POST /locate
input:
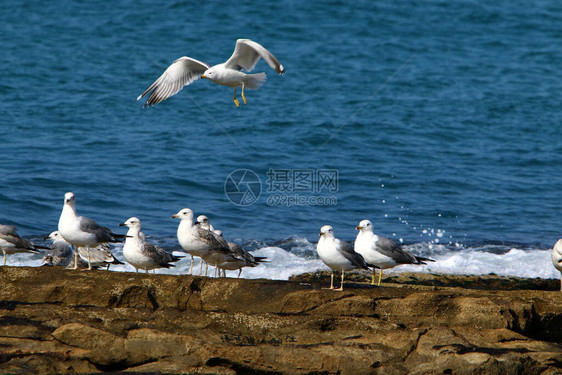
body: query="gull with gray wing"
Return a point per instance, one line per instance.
(239, 259)
(142, 254)
(185, 70)
(381, 252)
(11, 242)
(81, 231)
(338, 255)
(195, 240)
(62, 253)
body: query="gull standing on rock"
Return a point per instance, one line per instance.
(12, 243)
(82, 231)
(62, 254)
(185, 70)
(337, 254)
(557, 258)
(239, 259)
(194, 240)
(142, 254)
(100, 256)
(382, 252)
(203, 222)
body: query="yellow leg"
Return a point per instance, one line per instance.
(380, 277)
(341, 285)
(236, 100)
(373, 277)
(243, 97)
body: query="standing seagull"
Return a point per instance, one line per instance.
(382, 252)
(185, 70)
(142, 254)
(82, 231)
(203, 222)
(61, 253)
(238, 258)
(337, 254)
(100, 256)
(11, 242)
(557, 258)
(189, 236)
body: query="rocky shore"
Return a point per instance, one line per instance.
(60, 321)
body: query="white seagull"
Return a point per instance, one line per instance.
(195, 240)
(82, 231)
(100, 256)
(203, 222)
(557, 258)
(185, 70)
(11, 242)
(382, 252)
(142, 254)
(337, 254)
(61, 253)
(239, 258)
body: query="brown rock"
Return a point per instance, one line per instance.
(61, 321)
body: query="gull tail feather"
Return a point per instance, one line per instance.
(422, 260)
(254, 81)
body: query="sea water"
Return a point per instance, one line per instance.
(439, 121)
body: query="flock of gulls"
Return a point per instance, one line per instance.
(80, 242)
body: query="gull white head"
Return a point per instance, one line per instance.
(203, 222)
(210, 74)
(202, 219)
(184, 214)
(70, 199)
(327, 231)
(54, 236)
(365, 226)
(132, 222)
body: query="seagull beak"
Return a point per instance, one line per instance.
(197, 223)
(358, 227)
(46, 238)
(174, 216)
(203, 76)
(321, 233)
(122, 224)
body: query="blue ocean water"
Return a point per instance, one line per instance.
(439, 121)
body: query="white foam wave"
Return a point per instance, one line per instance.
(283, 264)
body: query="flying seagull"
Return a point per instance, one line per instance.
(338, 255)
(382, 252)
(185, 70)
